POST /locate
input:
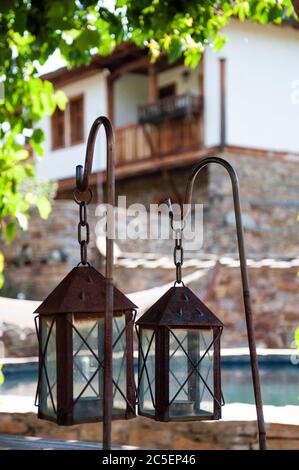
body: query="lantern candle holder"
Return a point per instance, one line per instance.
(179, 359)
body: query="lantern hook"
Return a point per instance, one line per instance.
(82, 187)
(83, 174)
(244, 276)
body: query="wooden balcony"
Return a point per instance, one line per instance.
(171, 107)
(151, 142)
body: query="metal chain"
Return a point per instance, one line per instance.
(83, 225)
(178, 255)
(178, 252)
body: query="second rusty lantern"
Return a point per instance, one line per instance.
(179, 359)
(71, 339)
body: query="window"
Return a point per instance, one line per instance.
(76, 118)
(167, 90)
(68, 125)
(58, 129)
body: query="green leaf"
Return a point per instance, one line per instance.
(219, 42)
(87, 40)
(1, 262)
(2, 280)
(61, 99)
(175, 49)
(21, 155)
(37, 136)
(38, 148)
(10, 231)
(2, 378)
(44, 207)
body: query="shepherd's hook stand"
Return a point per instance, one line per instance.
(245, 284)
(82, 186)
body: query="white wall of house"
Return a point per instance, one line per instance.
(130, 91)
(211, 99)
(184, 83)
(61, 163)
(262, 63)
(261, 67)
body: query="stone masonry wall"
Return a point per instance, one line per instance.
(41, 257)
(141, 432)
(274, 293)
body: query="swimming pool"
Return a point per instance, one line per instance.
(279, 378)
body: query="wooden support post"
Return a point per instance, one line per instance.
(110, 98)
(222, 63)
(201, 85)
(152, 84)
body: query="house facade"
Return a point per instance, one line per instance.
(166, 116)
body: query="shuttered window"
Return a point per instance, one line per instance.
(58, 129)
(68, 125)
(76, 120)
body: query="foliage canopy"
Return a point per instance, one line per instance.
(32, 30)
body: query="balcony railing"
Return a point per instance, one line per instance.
(137, 142)
(171, 107)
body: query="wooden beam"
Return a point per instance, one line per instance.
(146, 166)
(130, 67)
(261, 153)
(151, 165)
(152, 84)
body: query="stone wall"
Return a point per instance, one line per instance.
(274, 293)
(146, 433)
(41, 257)
(269, 189)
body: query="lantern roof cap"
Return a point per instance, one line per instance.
(179, 307)
(83, 290)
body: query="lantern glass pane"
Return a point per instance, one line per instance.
(48, 385)
(119, 365)
(191, 373)
(88, 371)
(146, 373)
(88, 350)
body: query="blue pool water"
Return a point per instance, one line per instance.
(280, 382)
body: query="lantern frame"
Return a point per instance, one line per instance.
(81, 296)
(178, 309)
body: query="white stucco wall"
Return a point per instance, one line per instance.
(262, 63)
(61, 163)
(189, 84)
(130, 90)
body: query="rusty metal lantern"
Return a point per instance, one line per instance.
(71, 339)
(85, 328)
(179, 359)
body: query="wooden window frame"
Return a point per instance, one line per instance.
(80, 139)
(68, 140)
(169, 86)
(54, 144)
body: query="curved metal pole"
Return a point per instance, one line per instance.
(243, 266)
(82, 183)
